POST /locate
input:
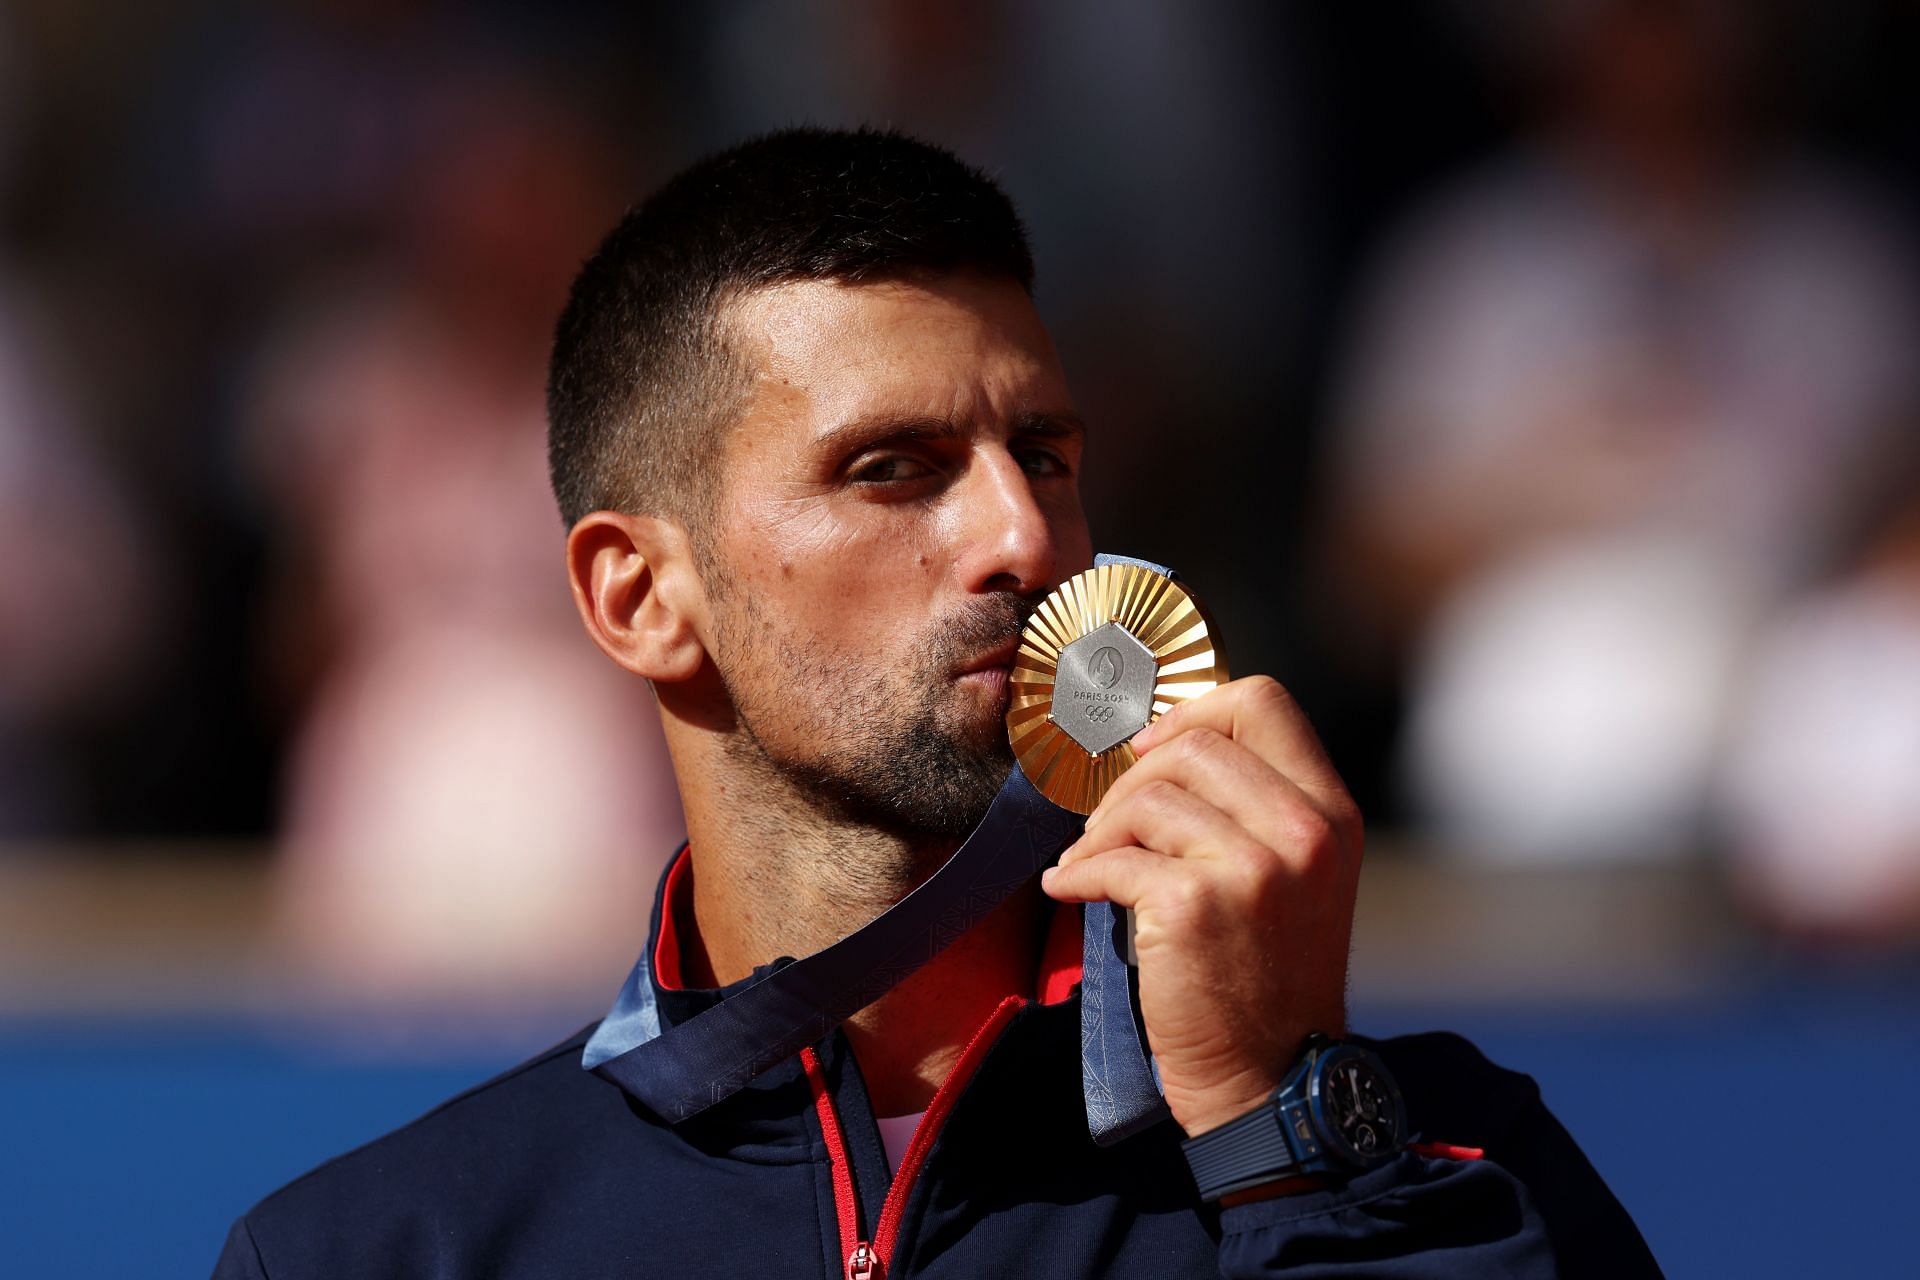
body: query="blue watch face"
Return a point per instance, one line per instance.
(1358, 1107)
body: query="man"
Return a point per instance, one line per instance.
(819, 462)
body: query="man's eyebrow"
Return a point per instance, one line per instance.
(1049, 424)
(859, 433)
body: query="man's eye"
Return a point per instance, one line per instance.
(1043, 462)
(894, 469)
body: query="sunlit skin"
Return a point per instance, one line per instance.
(904, 472)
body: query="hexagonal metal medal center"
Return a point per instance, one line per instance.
(1103, 688)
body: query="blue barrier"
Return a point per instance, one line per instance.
(1768, 1133)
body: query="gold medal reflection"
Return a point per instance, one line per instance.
(1156, 611)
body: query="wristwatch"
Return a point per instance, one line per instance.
(1338, 1111)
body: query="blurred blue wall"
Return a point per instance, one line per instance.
(1766, 1134)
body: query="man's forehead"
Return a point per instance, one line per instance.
(827, 359)
(787, 322)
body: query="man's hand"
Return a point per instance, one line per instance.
(1238, 848)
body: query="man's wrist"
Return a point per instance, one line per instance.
(1226, 1108)
(1336, 1112)
(1233, 1098)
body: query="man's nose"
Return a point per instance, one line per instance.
(1009, 540)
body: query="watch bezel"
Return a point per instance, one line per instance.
(1332, 1140)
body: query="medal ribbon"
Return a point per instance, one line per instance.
(681, 1070)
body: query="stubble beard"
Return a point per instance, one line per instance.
(898, 751)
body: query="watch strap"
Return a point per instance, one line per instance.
(1244, 1152)
(1275, 1139)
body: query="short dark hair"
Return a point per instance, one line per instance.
(643, 381)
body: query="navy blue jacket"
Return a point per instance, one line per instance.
(549, 1171)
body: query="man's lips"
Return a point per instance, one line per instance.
(999, 658)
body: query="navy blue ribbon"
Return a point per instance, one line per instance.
(680, 1070)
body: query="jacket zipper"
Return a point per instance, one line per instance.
(863, 1263)
(870, 1259)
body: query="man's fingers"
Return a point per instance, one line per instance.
(1232, 779)
(1263, 717)
(1167, 818)
(1121, 876)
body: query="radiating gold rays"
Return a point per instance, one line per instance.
(1160, 615)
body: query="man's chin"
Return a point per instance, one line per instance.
(977, 717)
(950, 792)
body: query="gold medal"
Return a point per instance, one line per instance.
(1108, 653)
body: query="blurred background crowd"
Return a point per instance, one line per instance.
(1532, 387)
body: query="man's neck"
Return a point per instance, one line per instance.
(909, 1040)
(772, 877)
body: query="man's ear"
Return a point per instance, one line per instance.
(642, 602)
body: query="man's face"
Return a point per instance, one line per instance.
(900, 492)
